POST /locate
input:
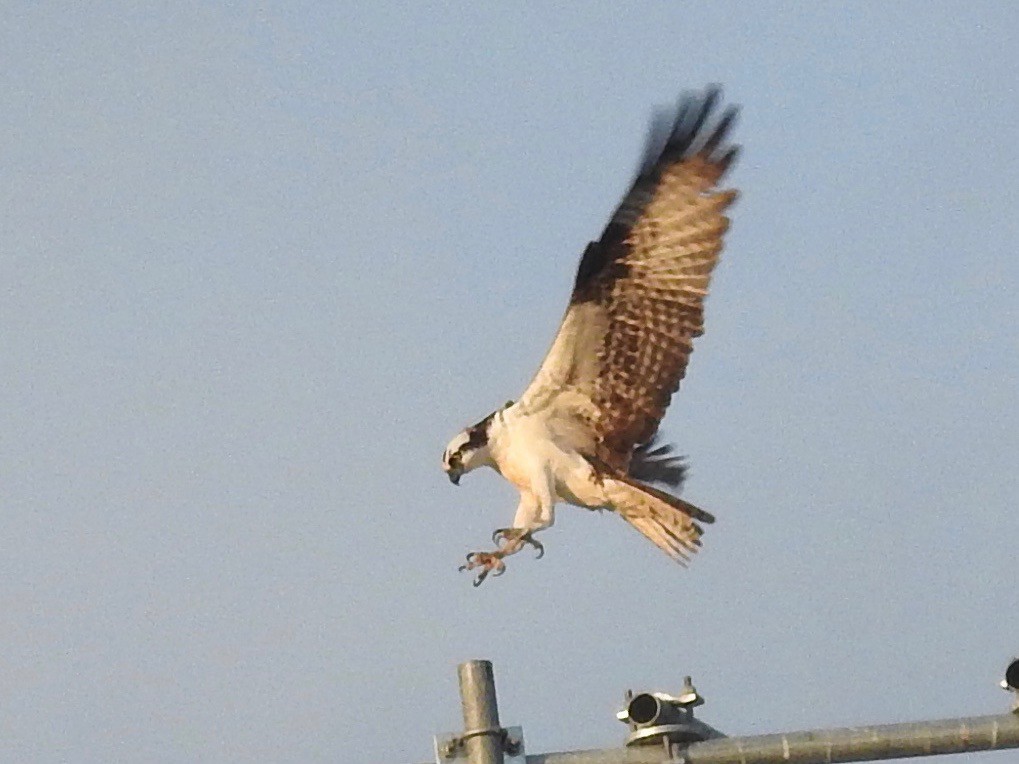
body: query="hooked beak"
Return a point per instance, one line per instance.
(454, 476)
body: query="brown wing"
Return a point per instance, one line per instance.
(638, 300)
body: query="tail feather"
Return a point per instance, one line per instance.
(668, 522)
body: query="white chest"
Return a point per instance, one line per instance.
(525, 453)
(520, 450)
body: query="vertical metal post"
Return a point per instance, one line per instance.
(482, 734)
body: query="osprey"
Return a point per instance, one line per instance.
(584, 430)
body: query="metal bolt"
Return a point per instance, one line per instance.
(511, 746)
(448, 749)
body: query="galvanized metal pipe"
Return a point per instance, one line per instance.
(649, 755)
(483, 741)
(887, 741)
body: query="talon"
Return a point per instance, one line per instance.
(490, 563)
(539, 548)
(486, 572)
(519, 535)
(505, 535)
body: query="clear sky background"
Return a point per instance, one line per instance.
(258, 265)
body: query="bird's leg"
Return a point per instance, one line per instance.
(535, 512)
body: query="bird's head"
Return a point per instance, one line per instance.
(469, 449)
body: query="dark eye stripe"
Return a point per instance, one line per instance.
(477, 436)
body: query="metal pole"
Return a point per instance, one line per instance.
(482, 735)
(887, 741)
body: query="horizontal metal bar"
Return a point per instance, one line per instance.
(652, 754)
(886, 741)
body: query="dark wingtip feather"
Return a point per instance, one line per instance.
(674, 134)
(686, 135)
(677, 133)
(721, 129)
(729, 157)
(659, 132)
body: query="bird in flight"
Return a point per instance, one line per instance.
(585, 430)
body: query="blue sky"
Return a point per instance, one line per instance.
(260, 264)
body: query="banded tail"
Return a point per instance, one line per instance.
(667, 521)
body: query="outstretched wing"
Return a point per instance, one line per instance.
(638, 300)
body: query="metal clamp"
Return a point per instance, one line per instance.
(450, 746)
(656, 717)
(1011, 683)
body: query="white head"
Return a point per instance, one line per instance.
(468, 450)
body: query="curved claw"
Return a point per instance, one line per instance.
(500, 535)
(485, 573)
(503, 535)
(471, 563)
(539, 548)
(491, 564)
